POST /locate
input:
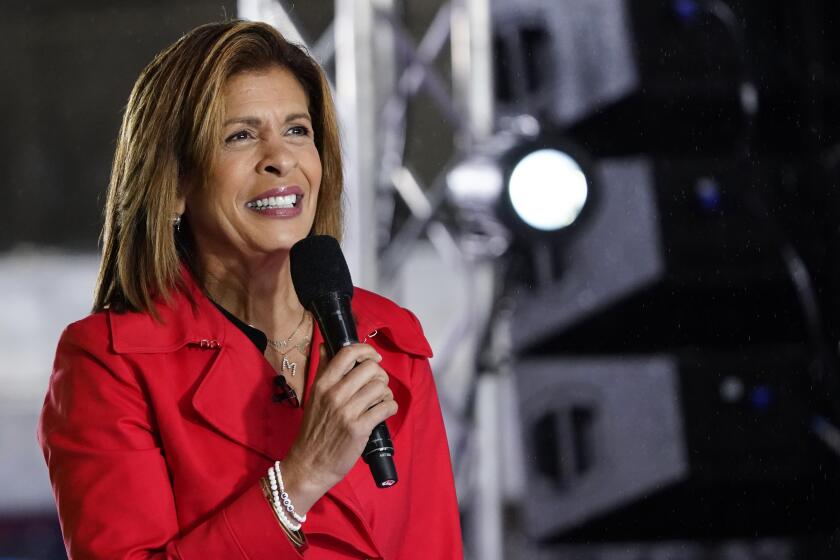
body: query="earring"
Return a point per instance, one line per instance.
(176, 221)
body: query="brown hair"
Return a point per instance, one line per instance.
(170, 131)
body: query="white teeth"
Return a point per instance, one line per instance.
(287, 201)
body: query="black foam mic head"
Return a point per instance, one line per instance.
(318, 268)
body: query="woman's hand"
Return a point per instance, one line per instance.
(349, 398)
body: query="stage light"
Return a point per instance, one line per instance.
(548, 189)
(528, 190)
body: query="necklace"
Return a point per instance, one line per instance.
(281, 344)
(283, 347)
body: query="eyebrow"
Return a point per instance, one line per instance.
(256, 121)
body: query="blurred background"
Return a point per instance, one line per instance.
(617, 221)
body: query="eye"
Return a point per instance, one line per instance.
(299, 130)
(240, 135)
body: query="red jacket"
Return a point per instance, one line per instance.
(156, 434)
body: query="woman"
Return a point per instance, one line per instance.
(194, 413)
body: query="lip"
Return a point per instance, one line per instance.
(279, 191)
(279, 212)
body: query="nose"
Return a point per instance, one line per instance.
(278, 159)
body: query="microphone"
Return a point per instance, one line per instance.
(323, 285)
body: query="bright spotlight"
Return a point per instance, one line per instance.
(522, 191)
(548, 190)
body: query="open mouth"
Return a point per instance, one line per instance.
(275, 202)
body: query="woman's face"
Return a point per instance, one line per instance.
(262, 188)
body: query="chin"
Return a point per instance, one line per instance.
(284, 243)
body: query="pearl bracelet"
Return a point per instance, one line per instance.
(277, 503)
(280, 499)
(284, 496)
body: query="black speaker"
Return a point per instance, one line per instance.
(661, 76)
(673, 255)
(562, 59)
(568, 58)
(692, 444)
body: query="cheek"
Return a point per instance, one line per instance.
(214, 198)
(314, 170)
(224, 192)
(314, 174)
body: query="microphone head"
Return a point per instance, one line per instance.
(318, 268)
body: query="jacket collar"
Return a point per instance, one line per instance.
(190, 318)
(377, 315)
(187, 318)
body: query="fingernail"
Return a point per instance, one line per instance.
(379, 357)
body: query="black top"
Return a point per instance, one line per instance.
(283, 391)
(254, 334)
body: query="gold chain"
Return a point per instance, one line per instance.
(281, 345)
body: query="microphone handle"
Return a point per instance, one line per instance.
(336, 323)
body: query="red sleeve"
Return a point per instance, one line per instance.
(109, 476)
(435, 528)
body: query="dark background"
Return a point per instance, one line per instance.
(67, 72)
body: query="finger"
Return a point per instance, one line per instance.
(344, 360)
(376, 414)
(362, 420)
(363, 374)
(371, 395)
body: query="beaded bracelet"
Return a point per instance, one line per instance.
(284, 496)
(276, 502)
(280, 500)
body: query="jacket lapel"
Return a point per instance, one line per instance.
(235, 397)
(235, 382)
(396, 333)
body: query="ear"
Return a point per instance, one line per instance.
(181, 197)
